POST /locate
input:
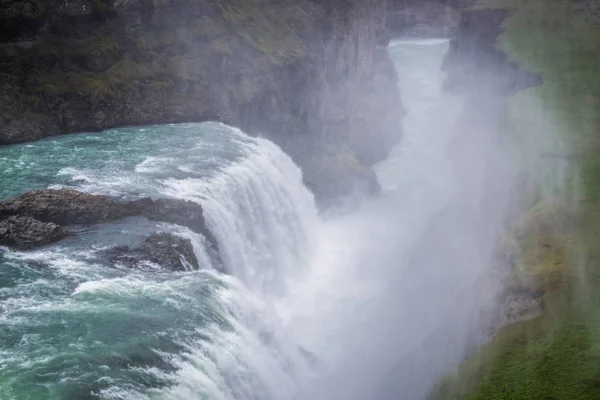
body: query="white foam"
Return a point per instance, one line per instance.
(75, 174)
(153, 164)
(261, 214)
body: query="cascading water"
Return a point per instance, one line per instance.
(348, 307)
(408, 281)
(72, 325)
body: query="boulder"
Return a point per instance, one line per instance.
(56, 207)
(24, 233)
(180, 212)
(418, 18)
(64, 207)
(170, 252)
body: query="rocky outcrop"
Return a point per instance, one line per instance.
(179, 212)
(484, 74)
(422, 19)
(160, 250)
(65, 207)
(25, 233)
(35, 218)
(518, 305)
(474, 63)
(310, 75)
(72, 207)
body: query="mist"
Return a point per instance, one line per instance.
(274, 200)
(418, 279)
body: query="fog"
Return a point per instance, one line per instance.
(378, 297)
(411, 283)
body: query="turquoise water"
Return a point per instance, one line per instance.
(81, 160)
(72, 326)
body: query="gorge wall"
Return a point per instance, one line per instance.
(482, 78)
(414, 18)
(313, 76)
(478, 70)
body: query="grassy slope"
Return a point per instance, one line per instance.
(555, 356)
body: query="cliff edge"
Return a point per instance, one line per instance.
(313, 76)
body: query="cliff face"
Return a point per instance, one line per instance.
(485, 75)
(475, 65)
(308, 74)
(413, 18)
(560, 41)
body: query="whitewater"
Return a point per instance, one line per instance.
(374, 303)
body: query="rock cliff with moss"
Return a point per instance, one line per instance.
(311, 75)
(423, 19)
(551, 347)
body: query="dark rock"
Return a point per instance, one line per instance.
(24, 233)
(163, 249)
(418, 18)
(475, 65)
(97, 62)
(175, 211)
(338, 178)
(72, 207)
(64, 207)
(517, 305)
(305, 71)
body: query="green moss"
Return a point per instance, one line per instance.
(63, 75)
(556, 356)
(121, 79)
(265, 29)
(542, 241)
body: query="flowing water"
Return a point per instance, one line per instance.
(370, 304)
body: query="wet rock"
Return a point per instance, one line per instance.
(175, 211)
(418, 18)
(64, 207)
(72, 207)
(518, 306)
(170, 252)
(24, 233)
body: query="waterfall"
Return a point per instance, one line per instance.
(376, 303)
(260, 212)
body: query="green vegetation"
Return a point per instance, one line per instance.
(557, 355)
(64, 75)
(269, 28)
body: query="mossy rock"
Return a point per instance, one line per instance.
(96, 53)
(22, 9)
(540, 243)
(557, 355)
(269, 29)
